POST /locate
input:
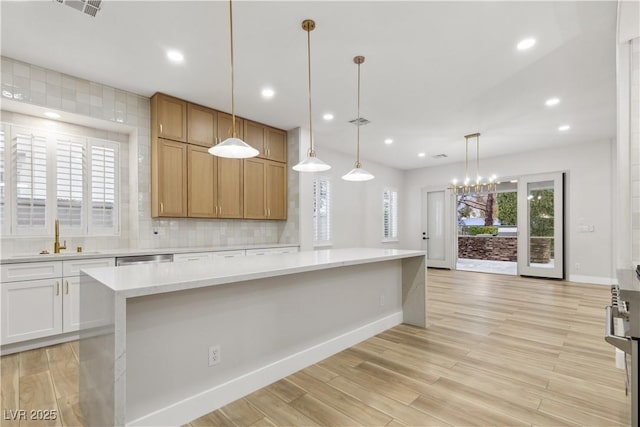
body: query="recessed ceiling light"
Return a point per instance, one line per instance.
(388, 141)
(526, 44)
(328, 116)
(175, 56)
(564, 128)
(268, 93)
(421, 154)
(52, 115)
(552, 101)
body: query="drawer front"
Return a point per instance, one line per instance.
(194, 256)
(30, 271)
(272, 251)
(73, 267)
(227, 254)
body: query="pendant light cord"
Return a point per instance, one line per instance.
(478, 158)
(233, 106)
(358, 127)
(311, 150)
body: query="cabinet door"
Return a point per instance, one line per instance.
(201, 125)
(254, 189)
(276, 189)
(193, 256)
(31, 309)
(172, 178)
(170, 117)
(254, 135)
(71, 304)
(223, 130)
(230, 188)
(276, 142)
(227, 254)
(201, 183)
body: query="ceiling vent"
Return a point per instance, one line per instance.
(90, 7)
(362, 122)
(440, 156)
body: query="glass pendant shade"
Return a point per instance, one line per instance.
(358, 174)
(233, 148)
(311, 164)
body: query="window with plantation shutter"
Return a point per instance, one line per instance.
(389, 215)
(46, 175)
(3, 181)
(30, 166)
(103, 210)
(321, 210)
(70, 182)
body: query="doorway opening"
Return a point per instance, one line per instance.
(487, 231)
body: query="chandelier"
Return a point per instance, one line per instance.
(478, 186)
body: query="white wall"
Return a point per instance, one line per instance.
(588, 200)
(356, 206)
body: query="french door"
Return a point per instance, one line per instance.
(540, 226)
(437, 236)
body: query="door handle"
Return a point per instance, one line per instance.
(622, 343)
(67, 283)
(425, 238)
(57, 288)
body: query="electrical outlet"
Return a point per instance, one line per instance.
(215, 356)
(577, 266)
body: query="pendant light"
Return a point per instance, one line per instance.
(233, 147)
(480, 186)
(357, 173)
(311, 163)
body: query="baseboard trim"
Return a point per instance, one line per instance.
(20, 346)
(209, 400)
(593, 280)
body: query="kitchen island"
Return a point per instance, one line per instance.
(162, 344)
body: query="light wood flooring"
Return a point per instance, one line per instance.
(500, 350)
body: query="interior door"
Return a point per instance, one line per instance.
(540, 226)
(436, 227)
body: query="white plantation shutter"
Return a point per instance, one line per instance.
(70, 161)
(321, 210)
(103, 209)
(30, 166)
(390, 214)
(3, 181)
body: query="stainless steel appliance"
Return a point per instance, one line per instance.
(143, 259)
(625, 304)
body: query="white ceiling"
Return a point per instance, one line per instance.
(434, 71)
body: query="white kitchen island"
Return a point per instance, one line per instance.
(146, 330)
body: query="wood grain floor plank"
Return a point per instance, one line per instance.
(241, 413)
(286, 390)
(277, 410)
(33, 361)
(9, 387)
(321, 413)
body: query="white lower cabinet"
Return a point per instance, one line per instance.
(272, 251)
(31, 309)
(34, 307)
(194, 256)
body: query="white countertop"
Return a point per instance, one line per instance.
(149, 279)
(67, 255)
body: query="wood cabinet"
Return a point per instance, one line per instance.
(270, 142)
(169, 117)
(224, 128)
(201, 183)
(265, 192)
(201, 125)
(168, 178)
(186, 181)
(230, 188)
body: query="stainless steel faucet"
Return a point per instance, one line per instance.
(57, 247)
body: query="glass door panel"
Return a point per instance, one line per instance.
(540, 221)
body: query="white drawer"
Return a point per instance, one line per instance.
(272, 251)
(30, 271)
(227, 254)
(73, 267)
(193, 256)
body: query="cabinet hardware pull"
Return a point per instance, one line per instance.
(57, 288)
(269, 212)
(160, 127)
(67, 286)
(161, 207)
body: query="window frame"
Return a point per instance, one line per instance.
(393, 218)
(9, 227)
(329, 242)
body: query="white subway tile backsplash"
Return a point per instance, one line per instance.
(54, 77)
(38, 86)
(22, 70)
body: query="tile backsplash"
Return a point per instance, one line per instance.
(29, 84)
